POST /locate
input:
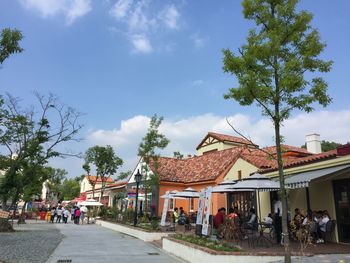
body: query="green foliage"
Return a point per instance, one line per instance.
(326, 145)
(178, 155)
(29, 138)
(155, 224)
(70, 189)
(9, 43)
(124, 175)
(104, 160)
(205, 242)
(271, 67)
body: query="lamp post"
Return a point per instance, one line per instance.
(137, 177)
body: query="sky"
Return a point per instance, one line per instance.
(121, 61)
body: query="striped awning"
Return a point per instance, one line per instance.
(302, 180)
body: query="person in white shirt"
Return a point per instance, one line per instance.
(268, 219)
(83, 211)
(322, 222)
(65, 215)
(59, 214)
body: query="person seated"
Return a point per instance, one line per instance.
(298, 218)
(219, 217)
(235, 209)
(322, 222)
(176, 215)
(232, 214)
(183, 220)
(253, 220)
(268, 219)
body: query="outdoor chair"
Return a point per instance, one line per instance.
(330, 227)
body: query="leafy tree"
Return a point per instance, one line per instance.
(9, 43)
(271, 70)
(124, 175)
(150, 144)
(70, 189)
(29, 138)
(104, 160)
(54, 183)
(178, 155)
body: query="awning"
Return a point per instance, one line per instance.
(303, 179)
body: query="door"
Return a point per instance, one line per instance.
(342, 205)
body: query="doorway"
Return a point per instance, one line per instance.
(341, 189)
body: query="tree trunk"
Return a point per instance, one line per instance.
(284, 197)
(22, 217)
(5, 225)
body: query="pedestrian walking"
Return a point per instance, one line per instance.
(83, 211)
(59, 214)
(53, 214)
(76, 216)
(65, 215)
(72, 213)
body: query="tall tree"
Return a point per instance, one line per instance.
(54, 184)
(29, 138)
(105, 161)
(70, 188)
(276, 69)
(124, 175)
(152, 142)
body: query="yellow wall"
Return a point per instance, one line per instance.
(218, 146)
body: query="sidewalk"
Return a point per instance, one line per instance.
(92, 243)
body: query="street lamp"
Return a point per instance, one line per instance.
(137, 177)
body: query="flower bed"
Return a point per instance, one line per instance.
(206, 242)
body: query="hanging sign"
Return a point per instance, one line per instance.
(200, 207)
(165, 208)
(206, 211)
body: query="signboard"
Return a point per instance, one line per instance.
(165, 208)
(207, 211)
(4, 214)
(200, 207)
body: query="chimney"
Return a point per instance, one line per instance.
(313, 143)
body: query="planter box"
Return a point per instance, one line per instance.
(133, 231)
(195, 254)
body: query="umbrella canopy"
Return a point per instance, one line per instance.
(91, 202)
(229, 189)
(257, 182)
(171, 195)
(187, 193)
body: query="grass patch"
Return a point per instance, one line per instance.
(206, 242)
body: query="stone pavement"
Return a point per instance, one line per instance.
(326, 258)
(92, 243)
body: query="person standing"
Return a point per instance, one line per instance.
(53, 214)
(72, 213)
(65, 215)
(83, 211)
(277, 208)
(59, 214)
(76, 216)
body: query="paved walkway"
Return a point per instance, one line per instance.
(92, 243)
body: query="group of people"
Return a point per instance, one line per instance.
(59, 213)
(314, 222)
(180, 217)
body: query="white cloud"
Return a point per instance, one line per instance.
(186, 133)
(140, 18)
(197, 83)
(170, 17)
(199, 41)
(70, 9)
(141, 44)
(121, 8)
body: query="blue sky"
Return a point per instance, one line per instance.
(119, 62)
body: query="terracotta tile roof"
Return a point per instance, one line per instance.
(208, 166)
(93, 179)
(286, 148)
(224, 137)
(292, 162)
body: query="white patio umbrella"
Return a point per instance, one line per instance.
(90, 202)
(187, 193)
(226, 187)
(171, 195)
(257, 182)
